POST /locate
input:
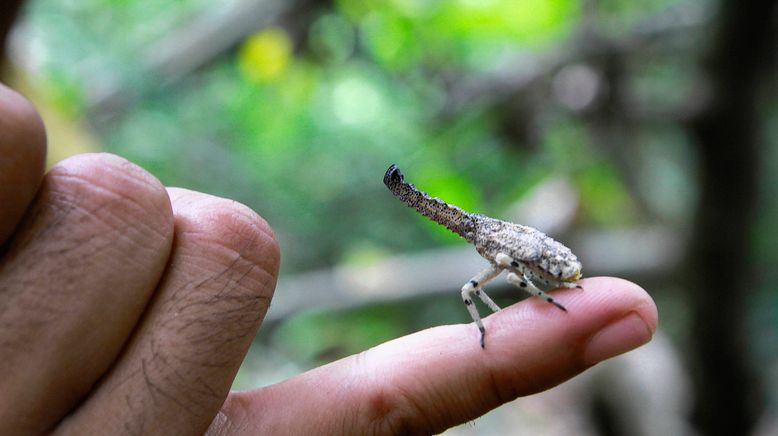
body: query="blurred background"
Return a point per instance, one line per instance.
(642, 134)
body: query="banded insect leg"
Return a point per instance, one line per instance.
(474, 286)
(527, 285)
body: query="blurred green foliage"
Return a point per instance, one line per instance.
(301, 127)
(320, 337)
(304, 136)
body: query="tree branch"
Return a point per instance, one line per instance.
(726, 132)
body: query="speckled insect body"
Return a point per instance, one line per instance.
(531, 258)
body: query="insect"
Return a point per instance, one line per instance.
(529, 255)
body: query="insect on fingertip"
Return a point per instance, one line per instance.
(530, 257)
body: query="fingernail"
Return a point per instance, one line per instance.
(616, 338)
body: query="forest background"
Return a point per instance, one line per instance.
(643, 134)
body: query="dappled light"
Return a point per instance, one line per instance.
(265, 55)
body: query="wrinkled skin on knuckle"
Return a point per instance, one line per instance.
(79, 271)
(228, 230)
(384, 412)
(116, 191)
(101, 204)
(236, 260)
(388, 409)
(225, 267)
(204, 315)
(84, 215)
(242, 231)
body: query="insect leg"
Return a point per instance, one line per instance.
(528, 286)
(474, 287)
(504, 260)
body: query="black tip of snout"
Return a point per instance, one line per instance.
(393, 176)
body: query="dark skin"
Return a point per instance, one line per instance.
(127, 307)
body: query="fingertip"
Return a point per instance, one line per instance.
(105, 181)
(602, 301)
(532, 345)
(617, 294)
(21, 123)
(228, 223)
(22, 157)
(616, 338)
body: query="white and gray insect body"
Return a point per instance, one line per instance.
(531, 257)
(545, 260)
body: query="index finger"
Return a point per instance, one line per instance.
(426, 382)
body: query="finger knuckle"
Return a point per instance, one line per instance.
(390, 410)
(121, 195)
(230, 229)
(236, 250)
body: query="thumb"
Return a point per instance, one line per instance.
(437, 378)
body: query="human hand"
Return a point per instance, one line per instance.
(126, 307)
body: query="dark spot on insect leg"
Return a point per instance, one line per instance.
(474, 283)
(523, 284)
(468, 302)
(551, 300)
(514, 264)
